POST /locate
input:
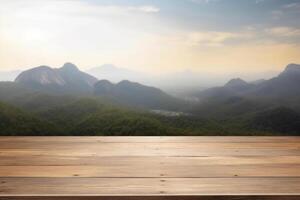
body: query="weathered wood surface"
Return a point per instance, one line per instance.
(149, 168)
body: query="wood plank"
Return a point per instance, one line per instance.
(153, 167)
(148, 186)
(157, 149)
(29, 160)
(141, 170)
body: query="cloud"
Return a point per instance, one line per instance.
(214, 38)
(209, 38)
(292, 6)
(146, 9)
(74, 7)
(283, 32)
(204, 39)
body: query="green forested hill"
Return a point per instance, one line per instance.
(281, 120)
(92, 116)
(14, 121)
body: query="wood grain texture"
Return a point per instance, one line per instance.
(188, 168)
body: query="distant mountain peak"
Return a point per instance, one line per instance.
(103, 82)
(43, 75)
(68, 78)
(125, 82)
(236, 82)
(69, 67)
(291, 70)
(42, 67)
(292, 67)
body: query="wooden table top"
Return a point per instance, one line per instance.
(149, 168)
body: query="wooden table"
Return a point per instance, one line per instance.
(150, 168)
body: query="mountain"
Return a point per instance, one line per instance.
(135, 94)
(42, 76)
(76, 79)
(284, 86)
(67, 79)
(237, 84)
(234, 87)
(237, 97)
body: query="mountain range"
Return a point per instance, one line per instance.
(180, 83)
(238, 97)
(67, 101)
(70, 80)
(285, 85)
(280, 90)
(136, 94)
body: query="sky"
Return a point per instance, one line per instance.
(159, 36)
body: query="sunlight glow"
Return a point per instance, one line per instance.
(134, 36)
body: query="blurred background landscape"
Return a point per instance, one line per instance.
(180, 67)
